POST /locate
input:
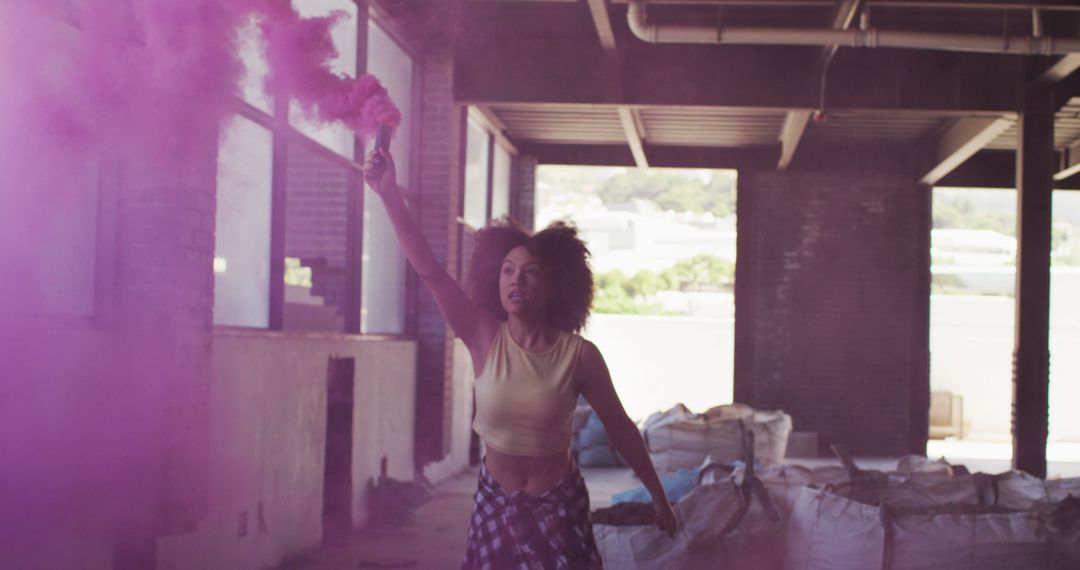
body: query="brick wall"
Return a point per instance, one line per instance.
(163, 318)
(523, 189)
(316, 221)
(437, 205)
(837, 314)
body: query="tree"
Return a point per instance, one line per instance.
(700, 272)
(645, 284)
(671, 191)
(958, 213)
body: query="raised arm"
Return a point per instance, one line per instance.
(597, 388)
(472, 324)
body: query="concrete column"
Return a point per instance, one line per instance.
(838, 286)
(1031, 358)
(920, 338)
(743, 390)
(437, 205)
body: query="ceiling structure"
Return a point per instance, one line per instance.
(571, 82)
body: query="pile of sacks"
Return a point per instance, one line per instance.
(680, 439)
(924, 515)
(592, 445)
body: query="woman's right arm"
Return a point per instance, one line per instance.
(473, 325)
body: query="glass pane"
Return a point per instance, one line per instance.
(394, 68)
(383, 303)
(255, 67)
(242, 243)
(500, 183)
(334, 136)
(316, 226)
(476, 173)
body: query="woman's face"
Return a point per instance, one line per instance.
(523, 286)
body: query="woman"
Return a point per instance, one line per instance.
(529, 296)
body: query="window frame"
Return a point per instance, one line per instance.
(494, 131)
(283, 135)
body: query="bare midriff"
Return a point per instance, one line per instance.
(534, 475)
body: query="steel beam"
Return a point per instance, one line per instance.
(633, 137)
(486, 116)
(632, 125)
(963, 138)
(791, 134)
(659, 156)
(1061, 69)
(532, 70)
(1069, 162)
(796, 120)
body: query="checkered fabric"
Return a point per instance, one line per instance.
(519, 531)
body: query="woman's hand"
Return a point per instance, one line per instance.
(665, 516)
(379, 172)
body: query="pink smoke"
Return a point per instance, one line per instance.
(299, 51)
(147, 73)
(144, 84)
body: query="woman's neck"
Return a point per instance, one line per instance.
(530, 334)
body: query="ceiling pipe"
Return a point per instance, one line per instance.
(1019, 45)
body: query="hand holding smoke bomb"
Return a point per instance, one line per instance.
(379, 170)
(382, 138)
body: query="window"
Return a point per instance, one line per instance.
(336, 137)
(242, 243)
(477, 142)
(291, 196)
(500, 183)
(383, 288)
(316, 238)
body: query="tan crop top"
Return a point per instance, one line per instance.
(525, 400)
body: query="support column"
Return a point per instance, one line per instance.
(437, 207)
(743, 390)
(920, 349)
(1031, 358)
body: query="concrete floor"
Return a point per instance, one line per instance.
(437, 540)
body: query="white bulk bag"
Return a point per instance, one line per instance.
(1020, 491)
(698, 544)
(829, 531)
(1058, 489)
(1006, 541)
(680, 439)
(784, 481)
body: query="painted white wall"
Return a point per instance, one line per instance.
(267, 438)
(657, 362)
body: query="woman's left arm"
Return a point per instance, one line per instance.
(597, 388)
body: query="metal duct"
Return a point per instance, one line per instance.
(1019, 45)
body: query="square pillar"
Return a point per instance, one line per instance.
(1031, 358)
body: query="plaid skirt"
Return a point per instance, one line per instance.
(519, 531)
